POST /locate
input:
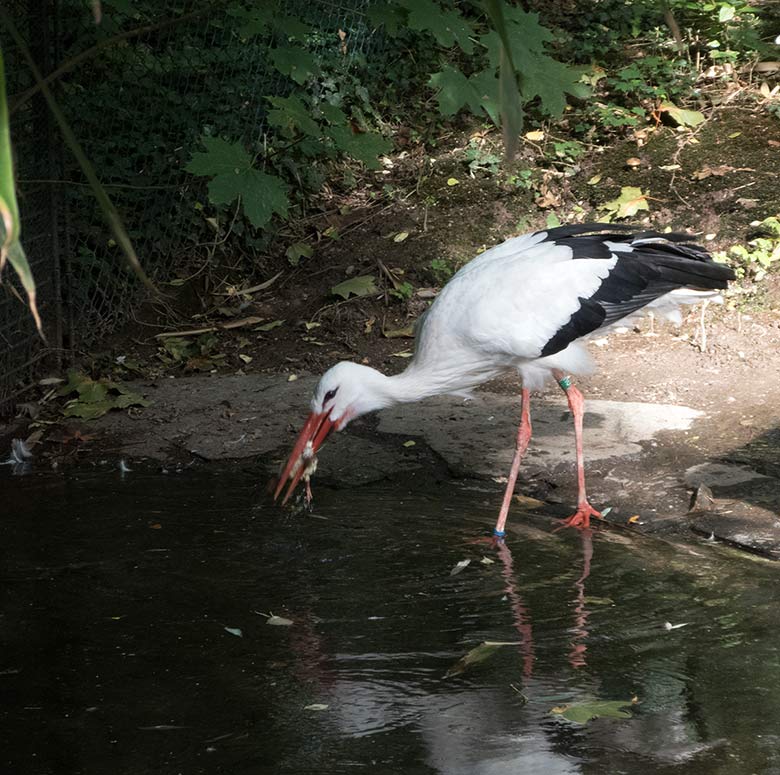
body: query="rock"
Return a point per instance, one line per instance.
(703, 499)
(719, 475)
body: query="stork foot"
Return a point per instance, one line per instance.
(494, 541)
(581, 519)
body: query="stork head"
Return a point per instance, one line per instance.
(344, 392)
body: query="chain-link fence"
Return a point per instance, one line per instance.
(150, 86)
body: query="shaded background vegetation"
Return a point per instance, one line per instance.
(222, 131)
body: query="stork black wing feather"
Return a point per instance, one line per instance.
(651, 265)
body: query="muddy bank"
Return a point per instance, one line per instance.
(645, 460)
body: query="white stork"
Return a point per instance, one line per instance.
(524, 306)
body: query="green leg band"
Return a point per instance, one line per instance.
(565, 382)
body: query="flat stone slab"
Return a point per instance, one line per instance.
(751, 526)
(477, 437)
(720, 475)
(235, 417)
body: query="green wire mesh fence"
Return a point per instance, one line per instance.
(152, 84)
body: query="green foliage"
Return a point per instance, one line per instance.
(233, 176)
(11, 249)
(94, 398)
(441, 270)
(759, 255)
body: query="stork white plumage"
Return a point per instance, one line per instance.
(522, 306)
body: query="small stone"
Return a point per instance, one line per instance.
(703, 499)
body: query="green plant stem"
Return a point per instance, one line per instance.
(509, 81)
(106, 205)
(18, 100)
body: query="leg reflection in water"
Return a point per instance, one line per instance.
(521, 615)
(581, 613)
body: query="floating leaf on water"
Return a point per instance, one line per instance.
(245, 358)
(310, 326)
(487, 561)
(478, 654)
(583, 712)
(409, 443)
(668, 626)
(591, 600)
(235, 631)
(401, 236)
(402, 354)
(317, 706)
(279, 621)
(606, 511)
(364, 285)
(292, 377)
(452, 181)
(50, 381)
(459, 567)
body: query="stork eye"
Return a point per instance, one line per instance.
(329, 395)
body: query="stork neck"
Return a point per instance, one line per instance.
(418, 382)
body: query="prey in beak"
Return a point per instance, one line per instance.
(302, 462)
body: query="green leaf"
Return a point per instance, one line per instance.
(391, 17)
(363, 146)
(297, 251)
(221, 157)
(454, 91)
(255, 22)
(291, 113)
(476, 655)
(91, 392)
(363, 285)
(270, 326)
(486, 86)
(297, 63)
(230, 165)
(629, 203)
(726, 13)
(263, 194)
(583, 712)
(293, 27)
(333, 115)
(680, 116)
(448, 27)
(88, 411)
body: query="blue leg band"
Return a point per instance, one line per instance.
(565, 382)
(499, 533)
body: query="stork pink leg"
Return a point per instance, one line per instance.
(581, 518)
(523, 437)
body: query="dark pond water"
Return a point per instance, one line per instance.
(117, 593)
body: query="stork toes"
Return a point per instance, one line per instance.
(581, 518)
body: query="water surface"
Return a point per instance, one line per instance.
(117, 592)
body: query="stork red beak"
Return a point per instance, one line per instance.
(315, 431)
